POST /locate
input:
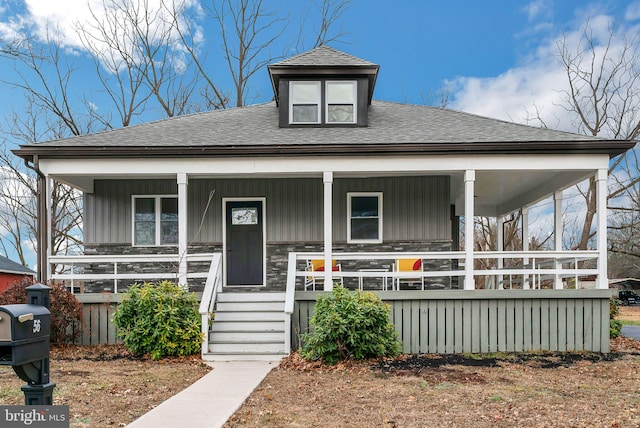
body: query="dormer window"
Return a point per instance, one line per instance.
(316, 102)
(305, 102)
(341, 102)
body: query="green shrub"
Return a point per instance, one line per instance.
(66, 310)
(160, 319)
(614, 325)
(349, 324)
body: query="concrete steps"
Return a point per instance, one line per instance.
(247, 326)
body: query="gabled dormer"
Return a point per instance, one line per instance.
(323, 87)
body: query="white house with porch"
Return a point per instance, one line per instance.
(248, 205)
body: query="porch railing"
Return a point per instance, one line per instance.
(72, 269)
(508, 269)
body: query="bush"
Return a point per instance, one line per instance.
(614, 325)
(349, 324)
(159, 319)
(66, 311)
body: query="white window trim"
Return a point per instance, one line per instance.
(157, 208)
(350, 195)
(354, 87)
(319, 103)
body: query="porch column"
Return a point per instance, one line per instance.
(500, 247)
(44, 229)
(601, 211)
(469, 181)
(558, 229)
(182, 228)
(327, 179)
(525, 244)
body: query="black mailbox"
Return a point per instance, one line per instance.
(24, 334)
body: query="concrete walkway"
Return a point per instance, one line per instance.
(211, 400)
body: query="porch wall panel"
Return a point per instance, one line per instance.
(488, 321)
(98, 327)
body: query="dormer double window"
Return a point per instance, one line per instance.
(318, 102)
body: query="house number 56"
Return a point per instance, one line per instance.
(36, 326)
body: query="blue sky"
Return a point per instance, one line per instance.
(498, 57)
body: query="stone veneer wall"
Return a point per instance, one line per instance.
(107, 286)
(278, 254)
(277, 260)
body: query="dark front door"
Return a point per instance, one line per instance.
(244, 242)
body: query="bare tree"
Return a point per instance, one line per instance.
(327, 30)
(132, 47)
(248, 29)
(604, 99)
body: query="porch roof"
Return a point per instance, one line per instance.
(393, 128)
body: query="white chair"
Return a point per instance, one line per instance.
(317, 265)
(408, 265)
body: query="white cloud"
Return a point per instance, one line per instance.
(61, 20)
(539, 9)
(633, 11)
(535, 86)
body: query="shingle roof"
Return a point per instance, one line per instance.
(389, 123)
(9, 266)
(323, 56)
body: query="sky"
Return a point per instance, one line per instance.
(498, 58)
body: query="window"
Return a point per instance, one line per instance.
(341, 102)
(337, 105)
(155, 220)
(304, 106)
(365, 217)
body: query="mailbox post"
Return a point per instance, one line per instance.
(24, 344)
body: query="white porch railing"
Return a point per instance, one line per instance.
(73, 268)
(209, 296)
(528, 268)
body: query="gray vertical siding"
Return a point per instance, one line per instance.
(489, 321)
(415, 208)
(108, 210)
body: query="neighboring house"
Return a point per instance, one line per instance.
(235, 203)
(11, 272)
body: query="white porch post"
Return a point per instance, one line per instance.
(558, 230)
(601, 211)
(500, 225)
(47, 266)
(469, 181)
(182, 228)
(525, 244)
(327, 179)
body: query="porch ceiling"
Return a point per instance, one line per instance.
(500, 192)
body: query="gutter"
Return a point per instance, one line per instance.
(41, 225)
(610, 147)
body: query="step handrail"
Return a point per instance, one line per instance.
(209, 296)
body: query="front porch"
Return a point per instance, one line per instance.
(536, 305)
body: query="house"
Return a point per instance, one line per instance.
(236, 203)
(11, 272)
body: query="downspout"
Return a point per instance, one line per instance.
(41, 226)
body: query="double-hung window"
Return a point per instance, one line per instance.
(330, 102)
(341, 102)
(364, 224)
(155, 220)
(304, 102)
